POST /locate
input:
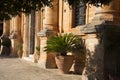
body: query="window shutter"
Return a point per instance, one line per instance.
(80, 13)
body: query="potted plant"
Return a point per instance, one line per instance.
(61, 45)
(20, 51)
(38, 50)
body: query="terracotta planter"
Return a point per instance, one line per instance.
(64, 63)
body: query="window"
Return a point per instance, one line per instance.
(80, 13)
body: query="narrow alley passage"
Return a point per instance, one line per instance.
(19, 69)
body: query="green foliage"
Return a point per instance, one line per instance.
(92, 2)
(62, 44)
(10, 8)
(20, 47)
(38, 48)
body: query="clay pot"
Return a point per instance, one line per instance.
(64, 63)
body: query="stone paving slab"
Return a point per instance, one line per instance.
(19, 69)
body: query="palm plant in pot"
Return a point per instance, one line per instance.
(62, 45)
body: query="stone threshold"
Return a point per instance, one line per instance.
(30, 58)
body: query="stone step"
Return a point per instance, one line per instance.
(30, 58)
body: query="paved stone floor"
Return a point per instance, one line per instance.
(19, 69)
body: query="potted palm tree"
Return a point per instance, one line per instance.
(62, 45)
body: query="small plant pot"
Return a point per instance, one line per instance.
(64, 63)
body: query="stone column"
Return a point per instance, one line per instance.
(15, 34)
(17, 27)
(6, 27)
(60, 16)
(37, 40)
(51, 17)
(46, 60)
(67, 13)
(95, 58)
(26, 36)
(109, 12)
(48, 18)
(43, 55)
(50, 27)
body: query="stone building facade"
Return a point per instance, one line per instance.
(33, 30)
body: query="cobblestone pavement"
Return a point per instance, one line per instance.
(19, 69)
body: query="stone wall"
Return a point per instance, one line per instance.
(94, 58)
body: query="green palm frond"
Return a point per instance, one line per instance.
(64, 43)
